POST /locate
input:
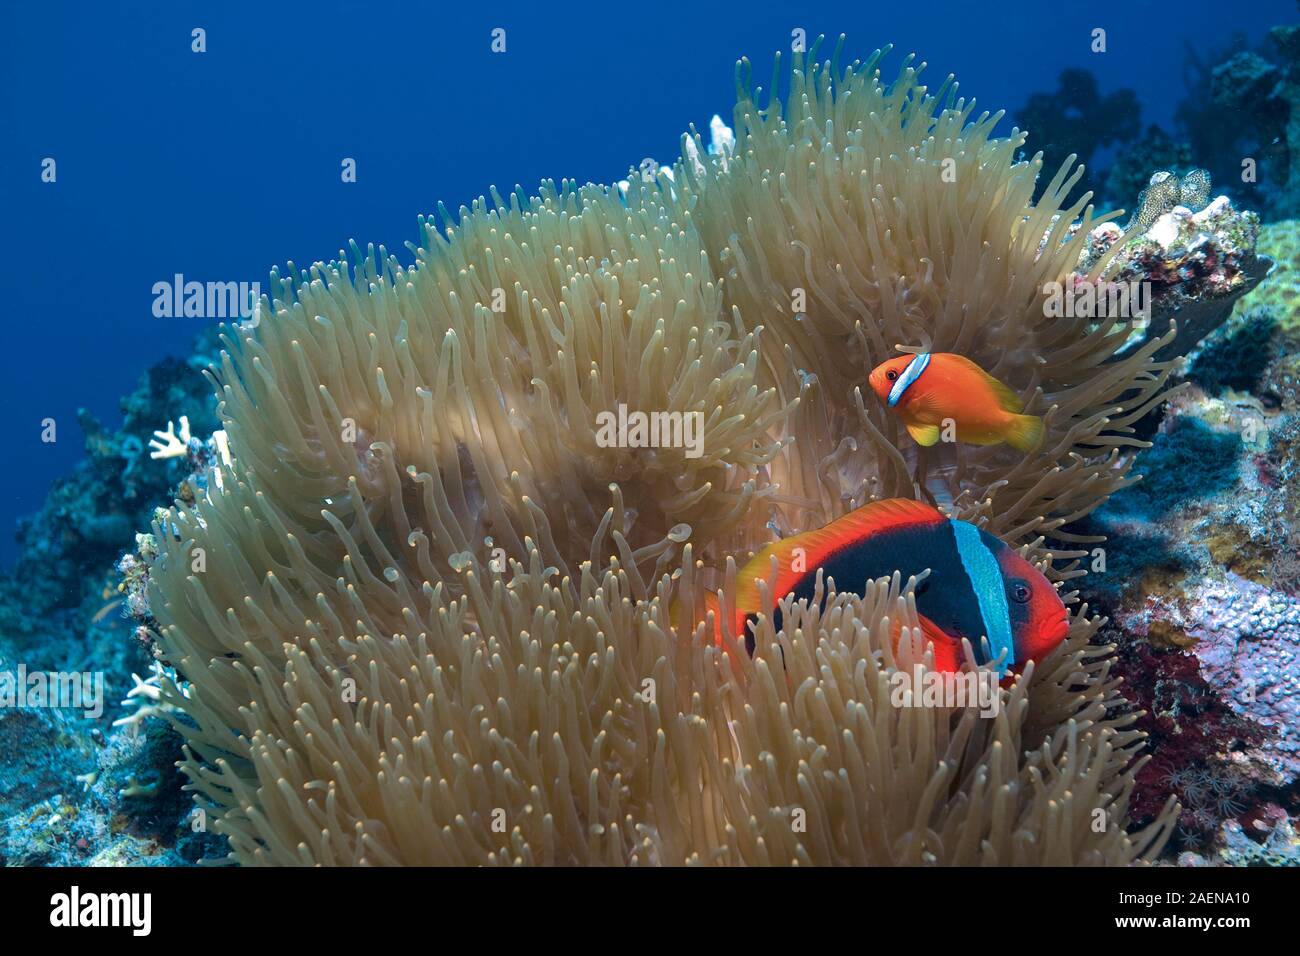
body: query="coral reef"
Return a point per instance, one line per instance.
(1076, 120)
(1130, 173)
(91, 792)
(1196, 264)
(1241, 355)
(1204, 592)
(90, 517)
(1197, 739)
(63, 773)
(1266, 844)
(1263, 100)
(1219, 135)
(1279, 847)
(1248, 641)
(408, 607)
(436, 620)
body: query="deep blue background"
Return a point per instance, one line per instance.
(223, 164)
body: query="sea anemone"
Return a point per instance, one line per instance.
(426, 615)
(894, 218)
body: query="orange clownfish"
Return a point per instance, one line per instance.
(977, 587)
(927, 388)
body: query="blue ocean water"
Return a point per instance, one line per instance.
(218, 165)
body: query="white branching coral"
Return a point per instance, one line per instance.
(146, 696)
(168, 444)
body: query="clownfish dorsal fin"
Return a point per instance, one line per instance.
(1007, 400)
(875, 517)
(814, 547)
(887, 513)
(872, 518)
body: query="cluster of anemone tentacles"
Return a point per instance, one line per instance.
(440, 621)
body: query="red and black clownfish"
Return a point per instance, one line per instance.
(977, 586)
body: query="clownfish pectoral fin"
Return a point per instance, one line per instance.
(1025, 433)
(925, 435)
(947, 649)
(682, 620)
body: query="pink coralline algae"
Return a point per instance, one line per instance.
(1249, 647)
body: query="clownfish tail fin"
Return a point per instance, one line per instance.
(1025, 433)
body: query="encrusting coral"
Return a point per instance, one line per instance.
(426, 615)
(1165, 191)
(1280, 295)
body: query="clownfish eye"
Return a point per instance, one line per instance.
(891, 375)
(1020, 592)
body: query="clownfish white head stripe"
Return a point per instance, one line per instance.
(910, 375)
